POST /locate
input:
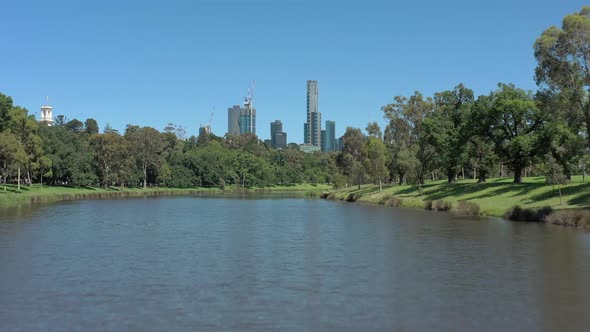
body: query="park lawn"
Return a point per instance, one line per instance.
(45, 193)
(494, 197)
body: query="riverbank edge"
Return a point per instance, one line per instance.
(73, 194)
(576, 217)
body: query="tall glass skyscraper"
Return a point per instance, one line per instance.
(329, 138)
(313, 127)
(240, 121)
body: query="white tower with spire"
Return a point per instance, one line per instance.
(47, 114)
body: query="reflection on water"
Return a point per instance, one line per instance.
(273, 262)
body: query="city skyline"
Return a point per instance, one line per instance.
(157, 64)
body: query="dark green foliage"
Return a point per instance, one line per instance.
(518, 213)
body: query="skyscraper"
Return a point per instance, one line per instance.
(281, 140)
(233, 120)
(278, 138)
(247, 121)
(328, 142)
(241, 121)
(313, 127)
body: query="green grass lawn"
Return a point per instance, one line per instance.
(58, 193)
(494, 197)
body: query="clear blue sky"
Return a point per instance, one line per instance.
(154, 62)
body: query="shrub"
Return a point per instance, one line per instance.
(466, 208)
(352, 197)
(517, 213)
(395, 201)
(574, 218)
(428, 205)
(441, 205)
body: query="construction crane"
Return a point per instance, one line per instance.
(211, 120)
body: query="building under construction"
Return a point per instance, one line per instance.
(242, 120)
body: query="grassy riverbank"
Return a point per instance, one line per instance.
(494, 198)
(37, 193)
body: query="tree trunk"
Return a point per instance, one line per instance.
(144, 177)
(475, 172)
(380, 185)
(518, 174)
(462, 173)
(450, 176)
(18, 179)
(401, 178)
(29, 178)
(482, 177)
(560, 198)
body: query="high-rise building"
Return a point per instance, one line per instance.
(277, 136)
(241, 120)
(247, 121)
(329, 138)
(281, 140)
(275, 127)
(323, 139)
(204, 130)
(313, 127)
(233, 120)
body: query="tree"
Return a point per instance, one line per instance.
(564, 65)
(75, 125)
(373, 130)
(515, 122)
(44, 168)
(5, 106)
(91, 126)
(376, 160)
(109, 130)
(359, 174)
(409, 114)
(554, 174)
(353, 142)
(447, 130)
(12, 155)
(147, 145)
(110, 151)
(25, 128)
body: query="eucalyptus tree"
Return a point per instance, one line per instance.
(375, 160)
(410, 114)
(147, 146)
(563, 68)
(12, 155)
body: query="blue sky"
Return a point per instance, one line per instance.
(154, 62)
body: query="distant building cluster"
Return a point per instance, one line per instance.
(242, 120)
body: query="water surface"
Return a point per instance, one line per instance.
(237, 263)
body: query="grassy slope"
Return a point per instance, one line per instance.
(494, 197)
(58, 193)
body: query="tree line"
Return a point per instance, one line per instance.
(75, 153)
(450, 135)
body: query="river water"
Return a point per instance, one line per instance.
(284, 263)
